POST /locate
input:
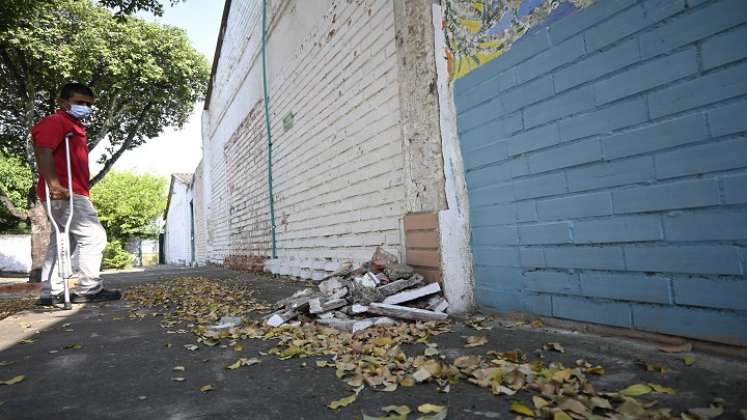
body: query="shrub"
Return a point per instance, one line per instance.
(115, 256)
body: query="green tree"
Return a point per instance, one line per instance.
(146, 77)
(12, 10)
(15, 178)
(130, 205)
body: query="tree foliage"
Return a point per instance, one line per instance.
(12, 10)
(130, 205)
(145, 76)
(126, 7)
(15, 181)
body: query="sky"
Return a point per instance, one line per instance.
(177, 150)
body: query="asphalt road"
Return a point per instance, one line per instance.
(123, 368)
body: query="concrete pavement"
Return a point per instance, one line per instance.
(95, 362)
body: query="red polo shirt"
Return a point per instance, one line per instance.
(50, 133)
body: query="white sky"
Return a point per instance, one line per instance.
(176, 150)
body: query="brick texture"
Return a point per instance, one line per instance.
(423, 244)
(619, 197)
(337, 141)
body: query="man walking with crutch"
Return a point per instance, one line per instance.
(57, 137)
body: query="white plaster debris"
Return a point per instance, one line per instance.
(358, 309)
(413, 294)
(406, 312)
(355, 300)
(368, 280)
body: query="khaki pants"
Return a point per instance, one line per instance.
(87, 238)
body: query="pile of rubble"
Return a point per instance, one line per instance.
(373, 295)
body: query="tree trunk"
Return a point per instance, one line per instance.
(40, 229)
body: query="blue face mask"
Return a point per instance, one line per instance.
(79, 111)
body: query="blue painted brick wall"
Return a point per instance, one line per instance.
(606, 158)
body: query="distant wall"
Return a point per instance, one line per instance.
(145, 251)
(177, 241)
(15, 253)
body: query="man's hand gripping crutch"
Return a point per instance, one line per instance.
(64, 262)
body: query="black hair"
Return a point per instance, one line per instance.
(69, 89)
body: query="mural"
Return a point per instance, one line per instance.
(478, 31)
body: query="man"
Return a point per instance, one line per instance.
(87, 236)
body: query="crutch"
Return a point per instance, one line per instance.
(64, 264)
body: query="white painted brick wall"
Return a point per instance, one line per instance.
(338, 172)
(177, 241)
(198, 191)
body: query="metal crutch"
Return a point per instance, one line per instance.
(64, 263)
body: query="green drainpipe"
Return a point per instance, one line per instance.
(267, 123)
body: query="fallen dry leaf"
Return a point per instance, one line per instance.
(662, 389)
(518, 407)
(599, 402)
(636, 390)
(537, 323)
(596, 370)
(575, 406)
(407, 381)
(677, 348)
(562, 375)
(689, 360)
(75, 346)
(237, 347)
(243, 362)
(402, 410)
(178, 369)
(346, 401)
(431, 351)
(206, 388)
(631, 408)
(14, 380)
(191, 347)
(178, 379)
(561, 415)
(539, 402)
(429, 408)
(28, 340)
(437, 416)
(476, 341)
(653, 367)
(554, 347)
(707, 413)
(421, 375)
(390, 417)
(467, 362)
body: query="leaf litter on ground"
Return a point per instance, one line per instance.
(376, 358)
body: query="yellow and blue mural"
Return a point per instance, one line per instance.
(478, 31)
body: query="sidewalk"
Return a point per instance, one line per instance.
(116, 361)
